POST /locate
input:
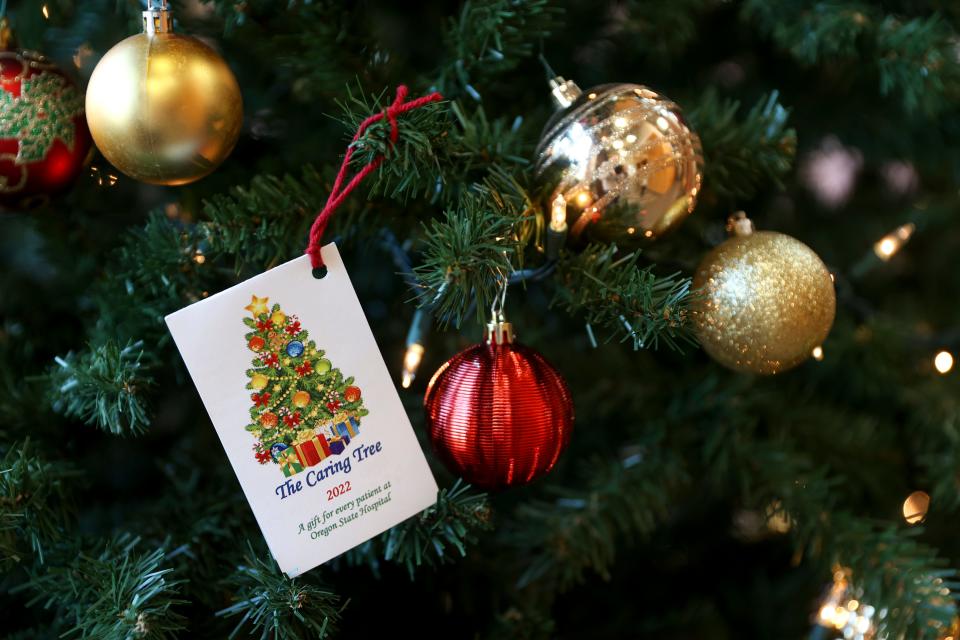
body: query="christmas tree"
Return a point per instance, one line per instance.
(301, 403)
(767, 433)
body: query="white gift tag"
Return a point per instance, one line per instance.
(287, 368)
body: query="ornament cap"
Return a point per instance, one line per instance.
(564, 92)
(157, 18)
(739, 225)
(499, 332)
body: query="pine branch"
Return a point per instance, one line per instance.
(115, 594)
(413, 164)
(891, 570)
(490, 37)
(154, 272)
(441, 148)
(34, 510)
(103, 387)
(579, 530)
(742, 157)
(633, 303)
(264, 224)
(427, 537)
(466, 256)
(897, 573)
(274, 606)
(915, 59)
(662, 30)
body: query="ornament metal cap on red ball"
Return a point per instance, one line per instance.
(499, 414)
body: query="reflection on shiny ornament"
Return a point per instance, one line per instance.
(624, 160)
(831, 171)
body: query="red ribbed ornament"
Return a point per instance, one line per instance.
(499, 414)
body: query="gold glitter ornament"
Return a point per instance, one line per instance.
(767, 300)
(622, 159)
(163, 108)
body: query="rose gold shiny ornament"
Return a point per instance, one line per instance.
(623, 158)
(163, 108)
(499, 414)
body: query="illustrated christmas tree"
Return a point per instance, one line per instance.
(303, 409)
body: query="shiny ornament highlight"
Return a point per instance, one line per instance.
(767, 301)
(626, 163)
(268, 420)
(44, 140)
(499, 415)
(301, 399)
(164, 108)
(294, 348)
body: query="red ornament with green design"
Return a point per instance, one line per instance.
(44, 140)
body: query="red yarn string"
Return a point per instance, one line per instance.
(338, 195)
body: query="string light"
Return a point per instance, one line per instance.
(558, 214)
(844, 613)
(888, 246)
(915, 507)
(416, 337)
(102, 178)
(943, 362)
(817, 354)
(411, 362)
(46, 12)
(198, 257)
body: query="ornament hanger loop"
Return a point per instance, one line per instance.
(499, 331)
(499, 300)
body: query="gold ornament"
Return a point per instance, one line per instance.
(278, 318)
(258, 381)
(767, 301)
(622, 160)
(163, 108)
(301, 399)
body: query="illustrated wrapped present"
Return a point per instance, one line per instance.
(323, 444)
(337, 445)
(310, 452)
(348, 428)
(290, 461)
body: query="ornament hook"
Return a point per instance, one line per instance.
(499, 331)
